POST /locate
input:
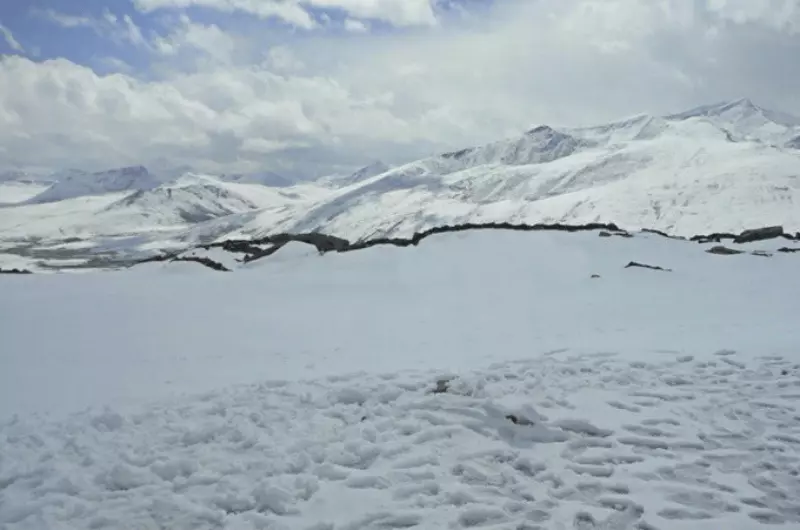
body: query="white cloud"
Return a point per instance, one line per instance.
(296, 12)
(210, 40)
(318, 102)
(10, 40)
(108, 25)
(398, 12)
(356, 26)
(288, 11)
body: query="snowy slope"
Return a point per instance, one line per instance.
(364, 173)
(301, 395)
(169, 208)
(15, 191)
(73, 183)
(683, 176)
(747, 121)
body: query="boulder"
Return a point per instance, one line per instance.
(724, 251)
(759, 234)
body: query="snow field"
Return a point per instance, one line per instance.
(299, 393)
(573, 441)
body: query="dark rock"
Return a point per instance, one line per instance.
(724, 251)
(211, 264)
(784, 372)
(662, 234)
(15, 271)
(595, 276)
(787, 250)
(266, 246)
(619, 234)
(442, 386)
(762, 253)
(516, 420)
(712, 238)
(759, 234)
(645, 266)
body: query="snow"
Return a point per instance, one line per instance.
(14, 192)
(74, 183)
(300, 393)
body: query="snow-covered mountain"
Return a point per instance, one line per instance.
(718, 168)
(747, 121)
(75, 183)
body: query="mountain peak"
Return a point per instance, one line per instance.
(738, 110)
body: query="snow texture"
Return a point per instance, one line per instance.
(480, 380)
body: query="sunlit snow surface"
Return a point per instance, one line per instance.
(296, 393)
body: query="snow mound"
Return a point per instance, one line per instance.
(75, 183)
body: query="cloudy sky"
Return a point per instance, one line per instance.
(312, 87)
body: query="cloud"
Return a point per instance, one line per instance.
(287, 11)
(108, 25)
(230, 99)
(356, 26)
(189, 37)
(10, 40)
(401, 13)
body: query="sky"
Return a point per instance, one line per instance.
(308, 88)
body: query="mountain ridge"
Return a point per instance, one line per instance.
(716, 169)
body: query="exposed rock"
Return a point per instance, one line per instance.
(14, 271)
(724, 251)
(762, 253)
(211, 264)
(712, 238)
(645, 266)
(595, 276)
(442, 386)
(787, 250)
(516, 420)
(662, 234)
(759, 234)
(620, 234)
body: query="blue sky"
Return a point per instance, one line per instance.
(309, 87)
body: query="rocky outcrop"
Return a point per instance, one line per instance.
(14, 271)
(748, 236)
(787, 250)
(617, 234)
(263, 247)
(759, 234)
(539, 227)
(211, 264)
(645, 266)
(724, 251)
(661, 233)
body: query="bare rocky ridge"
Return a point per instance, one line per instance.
(251, 250)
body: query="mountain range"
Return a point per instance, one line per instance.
(723, 167)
